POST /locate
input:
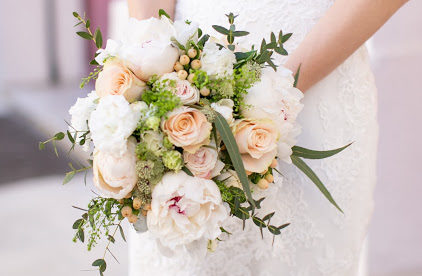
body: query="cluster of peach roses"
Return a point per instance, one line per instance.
(151, 122)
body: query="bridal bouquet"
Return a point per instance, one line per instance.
(184, 128)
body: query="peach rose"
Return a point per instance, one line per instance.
(257, 142)
(204, 162)
(117, 79)
(188, 128)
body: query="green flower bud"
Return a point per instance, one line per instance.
(153, 122)
(173, 160)
(167, 144)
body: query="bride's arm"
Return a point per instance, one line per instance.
(143, 9)
(340, 32)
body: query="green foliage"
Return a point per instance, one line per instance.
(267, 49)
(162, 12)
(160, 97)
(200, 79)
(316, 154)
(244, 78)
(230, 33)
(92, 76)
(57, 137)
(87, 34)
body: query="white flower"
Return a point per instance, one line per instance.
(217, 63)
(152, 29)
(112, 123)
(112, 49)
(187, 93)
(204, 162)
(274, 97)
(225, 108)
(80, 112)
(186, 32)
(116, 177)
(185, 209)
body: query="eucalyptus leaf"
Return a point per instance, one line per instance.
(296, 77)
(220, 29)
(187, 171)
(299, 163)
(98, 38)
(84, 35)
(162, 12)
(122, 233)
(233, 150)
(240, 33)
(98, 262)
(316, 154)
(68, 177)
(286, 37)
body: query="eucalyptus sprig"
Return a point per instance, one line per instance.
(275, 45)
(230, 33)
(87, 34)
(57, 137)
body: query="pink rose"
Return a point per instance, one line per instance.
(188, 128)
(204, 162)
(187, 92)
(117, 79)
(257, 142)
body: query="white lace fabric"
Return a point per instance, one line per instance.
(338, 110)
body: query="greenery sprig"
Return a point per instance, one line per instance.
(230, 33)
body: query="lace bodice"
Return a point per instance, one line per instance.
(338, 110)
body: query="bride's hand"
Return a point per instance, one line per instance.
(143, 9)
(339, 33)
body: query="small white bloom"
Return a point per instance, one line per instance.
(186, 32)
(275, 98)
(225, 108)
(81, 112)
(112, 123)
(185, 210)
(152, 29)
(187, 93)
(116, 177)
(112, 49)
(217, 63)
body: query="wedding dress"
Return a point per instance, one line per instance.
(338, 110)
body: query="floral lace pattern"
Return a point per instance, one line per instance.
(338, 110)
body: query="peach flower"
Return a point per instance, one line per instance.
(257, 142)
(204, 162)
(117, 79)
(188, 128)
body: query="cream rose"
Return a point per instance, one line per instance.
(187, 93)
(188, 128)
(117, 79)
(204, 162)
(257, 142)
(115, 177)
(185, 209)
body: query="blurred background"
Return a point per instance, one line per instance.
(41, 64)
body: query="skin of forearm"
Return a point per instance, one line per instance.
(339, 33)
(144, 9)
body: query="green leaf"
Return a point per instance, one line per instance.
(259, 222)
(315, 154)
(267, 217)
(84, 35)
(93, 62)
(297, 76)
(283, 226)
(41, 145)
(88, 24)
(187, 171)
(199, 32)
(98, 262)
(111, 238)
(231, 47)
(122, 233)
(274, 230)
(68, 177)
(203, 39)
(75, 14)
(59, 136)
(220, 29)
(69, 136)
(162, 12)
(233, 150)
(178, 44)
(286, 37)
(98, 38)
(77, 223)
(312, 176)
(81, 235)
(281, 51)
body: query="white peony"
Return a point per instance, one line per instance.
(152, 29)
(187, 92)
(81, 112)
(186, 31)
(185, 209)
(217, 63)
(274, 97)
(116, 177)
(225, 108)
(112, 123)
